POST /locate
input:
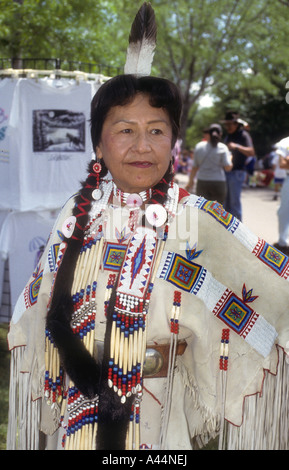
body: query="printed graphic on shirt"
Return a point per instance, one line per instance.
(58, 130)
(3, 119)
(4, 157)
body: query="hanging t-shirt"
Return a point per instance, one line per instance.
(7, 87)
(50, 141)
(3, 215)
(22, 240)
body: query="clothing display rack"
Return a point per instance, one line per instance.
(59, 83)
(47, 66)
(53, 74)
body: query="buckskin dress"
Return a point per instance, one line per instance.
(232, 312)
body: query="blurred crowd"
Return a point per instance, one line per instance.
(224, 162)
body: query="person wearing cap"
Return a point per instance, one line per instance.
(240, 144)
(212, 159)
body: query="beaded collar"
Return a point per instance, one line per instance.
(156, 214)
(132, 199)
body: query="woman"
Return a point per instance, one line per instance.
(211, 160)
(148, 285)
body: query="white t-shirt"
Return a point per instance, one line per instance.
(49, 141)
(22, 238)
(7, 87)
(278, 172)
(211, 161)
(282, 148)
(3, 215)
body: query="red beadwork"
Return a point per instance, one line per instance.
(97, 167)
(223, 362)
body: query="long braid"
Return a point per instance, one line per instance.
(77, 361)
(84, 198)
(159, 193)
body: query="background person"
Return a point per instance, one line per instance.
(240, 144)
(211, 160)
(279, 174)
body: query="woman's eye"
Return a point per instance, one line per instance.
(156, 131)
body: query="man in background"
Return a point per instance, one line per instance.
(241, 146)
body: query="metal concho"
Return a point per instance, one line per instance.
(153, 362)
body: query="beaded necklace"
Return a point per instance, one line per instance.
(132, 199)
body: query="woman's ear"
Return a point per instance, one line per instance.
(98, 153)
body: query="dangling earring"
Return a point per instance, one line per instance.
(97, 193)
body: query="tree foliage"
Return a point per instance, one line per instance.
(231, 49)
(236, 50)
(79, 31)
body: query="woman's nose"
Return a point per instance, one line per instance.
(142, 142)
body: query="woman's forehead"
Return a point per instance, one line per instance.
(138, 108)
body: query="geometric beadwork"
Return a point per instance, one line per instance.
(113, 256)
(273, 258)
(235, 313)
(52, 256)
(32, 289)
(182, 273)
(216, 210)
(137, 264)
(133, 293)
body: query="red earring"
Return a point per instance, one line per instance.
(97, 193)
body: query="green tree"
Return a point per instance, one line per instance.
(213, 46)
(234, 49)
(70, 30)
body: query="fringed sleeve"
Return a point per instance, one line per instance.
(26, 340)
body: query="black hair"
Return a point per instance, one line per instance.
(215, 132)
(122, 89)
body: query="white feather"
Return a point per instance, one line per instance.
(139, 58)
(142, 42)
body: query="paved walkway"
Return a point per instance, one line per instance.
(260, 212)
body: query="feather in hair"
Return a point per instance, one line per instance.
(142, 42)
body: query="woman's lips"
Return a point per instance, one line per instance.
(141, 164)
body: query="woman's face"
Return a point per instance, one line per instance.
(136, 144)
